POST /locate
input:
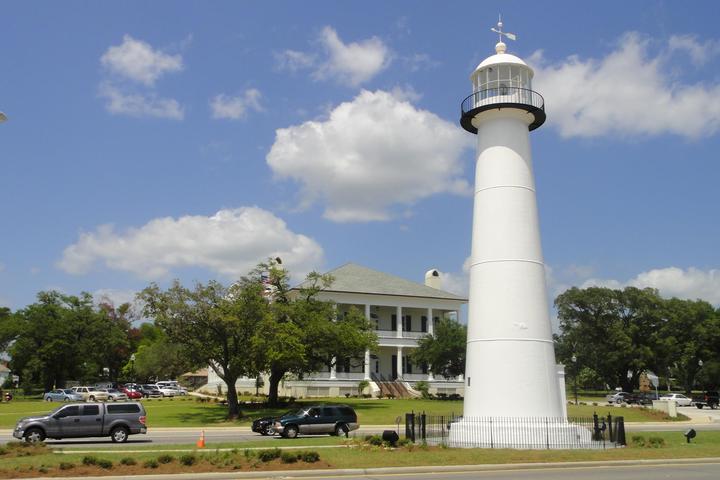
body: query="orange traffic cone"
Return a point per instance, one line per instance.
(201, 442)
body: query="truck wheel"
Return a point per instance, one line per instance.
(291, 431)
(91, 398)
(119, 435)
(34, 435)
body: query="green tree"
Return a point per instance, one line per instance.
(213, 325)
(8, 328)
(613, 332)
(444, 350)
(52, 342)
(689, 341)
(304, 333)
(159, 359)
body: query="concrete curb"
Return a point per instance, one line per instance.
(395, 470)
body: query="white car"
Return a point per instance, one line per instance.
(178, 390)
(679, 398)
(167, 391)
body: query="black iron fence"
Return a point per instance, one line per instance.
(516, 432)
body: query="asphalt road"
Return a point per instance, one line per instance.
(168, 436)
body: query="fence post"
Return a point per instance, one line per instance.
(611, 430)
(547, 433)
(596, 428)
(410, 425)
(423, 423)
(620, 431)
(492, 441)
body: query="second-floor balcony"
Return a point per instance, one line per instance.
(403, 334)
(502, 96)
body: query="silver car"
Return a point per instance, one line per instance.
(115, 395)
(63, 395)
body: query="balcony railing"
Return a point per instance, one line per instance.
(405, 334)
(499, 97)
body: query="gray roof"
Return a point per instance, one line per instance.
(357, 279)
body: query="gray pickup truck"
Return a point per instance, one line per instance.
(116, 420)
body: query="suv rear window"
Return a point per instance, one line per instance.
(123, 408)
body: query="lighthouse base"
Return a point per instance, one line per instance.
(531, 433)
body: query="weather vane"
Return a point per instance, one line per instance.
(500, 32)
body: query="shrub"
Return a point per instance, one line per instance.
(269, 455)
(128, 461)
(151, 464)
(105, 463)
(3, 450)
(637, 441)
(309, 456)
(656, 442)
(374, 440)
(89, 460)
(249, 454)
(424, 388)
(165, 459)
(188, 460)
(405, 441)
(390, 396)
(43, 469)
(289, 457)
(66, 466)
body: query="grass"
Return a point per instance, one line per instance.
(37, 461)
(187, 412)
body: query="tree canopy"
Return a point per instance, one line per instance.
(444, 350)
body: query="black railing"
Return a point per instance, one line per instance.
(503, 95)
(511, 432)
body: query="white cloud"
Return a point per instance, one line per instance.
(692, 283)
(700, 53)
(138, 61)
(139, 104)
(351, 63)
(294, 60)
(628, 92)
(371, 153)
(224, 106)
(230, 243)
(457, 282)
(355, 62)
(114, 296)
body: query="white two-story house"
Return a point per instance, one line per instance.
(402, 312)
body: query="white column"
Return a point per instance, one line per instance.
(430, 324)
(399, 363)
(367, 364)
(333, 369)
(399, 322)
(367, 312)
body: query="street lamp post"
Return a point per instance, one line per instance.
(132, 367)
(575, 374)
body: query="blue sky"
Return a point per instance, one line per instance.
(155, 140)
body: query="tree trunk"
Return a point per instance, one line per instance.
(275, 378)
(232, 399)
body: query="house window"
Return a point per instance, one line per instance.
(424, 368)
(423, 323)
(408, 365)
(407, 323)
(393, 322)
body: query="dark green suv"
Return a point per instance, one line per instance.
(332, 419)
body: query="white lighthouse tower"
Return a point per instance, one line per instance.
(510, 369)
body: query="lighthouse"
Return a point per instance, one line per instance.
(510, 368)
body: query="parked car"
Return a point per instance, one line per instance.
(115, 395)
(116, 420)
(707, 399)
(178, 390)
(132, 393)
(91, 394)
(679, 398)
(63, 395)
(150, 391)
(332, 419)
(622, 397)
(166, 391)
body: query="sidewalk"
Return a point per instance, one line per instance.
(389, 471)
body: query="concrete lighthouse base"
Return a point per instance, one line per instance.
(521, 433)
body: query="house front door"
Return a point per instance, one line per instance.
(394, 374)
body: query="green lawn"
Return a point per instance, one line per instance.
(39, 461)
(187, 412)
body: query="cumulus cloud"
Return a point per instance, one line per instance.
(138, 61)
(628, 92)
(236, 107)
(692, 283)
(371, 153)
(457, 282)
(140, 104)
(700, 53)
(350, 63)
(229, 243)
